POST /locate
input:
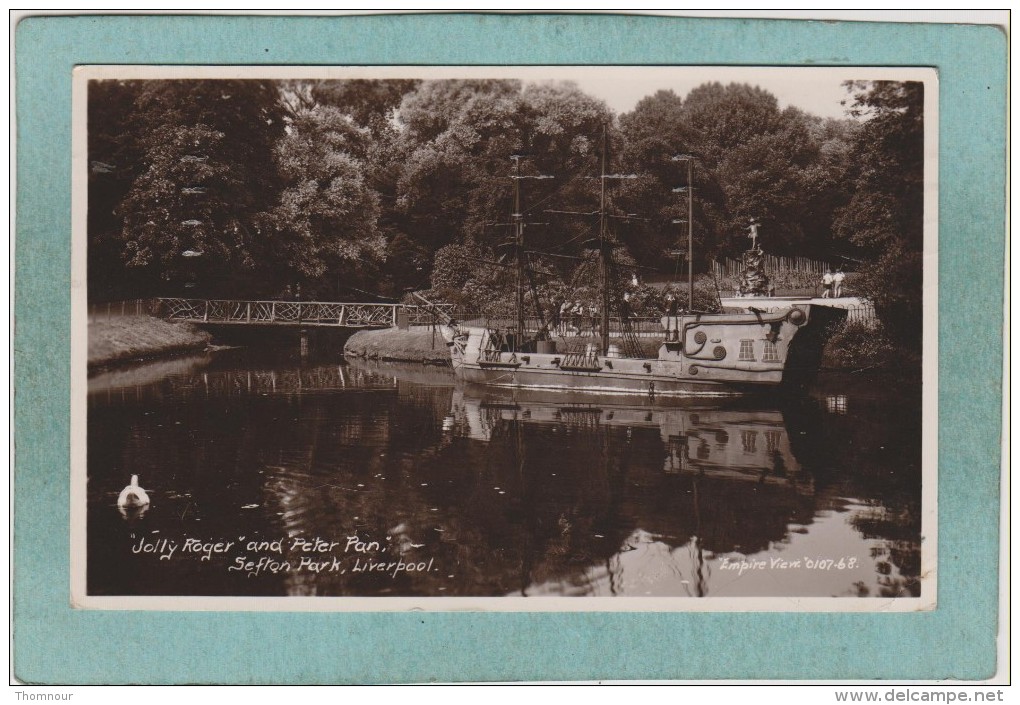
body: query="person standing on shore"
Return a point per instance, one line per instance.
(837, 282)
(827, 280)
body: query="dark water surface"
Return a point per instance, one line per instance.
(329, 478)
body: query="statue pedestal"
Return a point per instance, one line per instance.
(753, 281)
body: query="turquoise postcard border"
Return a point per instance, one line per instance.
(56, 644)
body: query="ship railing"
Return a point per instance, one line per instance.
(639, 326)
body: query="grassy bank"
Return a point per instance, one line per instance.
(412, 345)
(124, 338)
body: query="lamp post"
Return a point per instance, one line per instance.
(678, 252)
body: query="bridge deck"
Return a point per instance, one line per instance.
(292, 313)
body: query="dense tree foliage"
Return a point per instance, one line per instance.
(752, 161)
(198, 156)
(885, 214)
(114, 162)
(354, 187)
(454, 184)
(326, 219)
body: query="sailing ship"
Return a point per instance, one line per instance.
(701, 353)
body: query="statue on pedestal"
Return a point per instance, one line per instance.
(753, 281)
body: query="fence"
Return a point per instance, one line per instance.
(428, 315)
(728, 267)
(127, 307)
(865, 313)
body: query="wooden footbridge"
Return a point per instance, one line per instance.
(299, 313)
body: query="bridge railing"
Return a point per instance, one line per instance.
(124, 307)
(352, 315)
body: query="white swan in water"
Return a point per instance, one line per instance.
(133, 495)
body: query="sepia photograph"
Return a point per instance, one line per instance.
(504, 338)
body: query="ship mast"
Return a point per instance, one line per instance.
(605, 239)
(517, 223)
(604, 244)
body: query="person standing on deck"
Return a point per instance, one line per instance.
(577, 315)
(625, 308)
(672, 324)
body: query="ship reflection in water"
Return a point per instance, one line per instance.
(476, 492)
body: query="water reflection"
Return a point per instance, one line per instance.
(835, 403)
(496, 493)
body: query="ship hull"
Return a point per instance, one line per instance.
(702, 355)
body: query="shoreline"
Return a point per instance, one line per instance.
(416, 344)
(127, 339)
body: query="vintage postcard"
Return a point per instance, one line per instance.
(504, 338)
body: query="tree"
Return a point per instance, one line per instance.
(370, 103)
(456, 142)
(204, 175)
(361, 118)
(434, 106)
(326, 218)
(748, 160)
(469, 276)
(763, 181)
(825, 186)
(113, 166)
(726, 117)
(885, 215)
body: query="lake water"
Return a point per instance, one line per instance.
(270, 476)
